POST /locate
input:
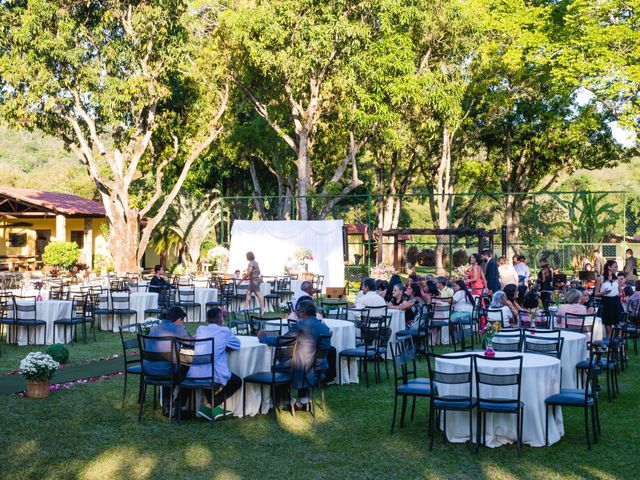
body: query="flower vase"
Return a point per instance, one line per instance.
(306, 268)
(489, 352)
(39, 297)
(38, 389)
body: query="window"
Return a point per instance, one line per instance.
(17, 239)
(78, 237)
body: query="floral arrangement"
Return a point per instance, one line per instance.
(303, 255)
(218, 254)
(462, 271)
(284, 308)
(382, 271)
(38, 367)
(39, 285)
(490, 330)
(533, 313)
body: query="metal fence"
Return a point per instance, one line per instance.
(560, 226)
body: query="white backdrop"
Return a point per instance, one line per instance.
(273, 244)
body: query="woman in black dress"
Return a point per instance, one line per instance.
(608, 288)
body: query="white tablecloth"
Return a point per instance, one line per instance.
(253, 357)
(343, 337)
(201, 296)
(138, 301)
(540, 379)
(47, 310)
(598, 330)
(574, 350)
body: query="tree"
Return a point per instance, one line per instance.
(135, 90)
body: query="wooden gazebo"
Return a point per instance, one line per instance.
(399, 233)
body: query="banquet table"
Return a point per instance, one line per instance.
(139, 301)
(47, 310)
(574, 350)
(343, 337)
(540, 379)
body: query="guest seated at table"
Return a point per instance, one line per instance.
(511, 291)
(412, 275)
(381, 287)
(224, 340)
(292, 315)
(369, 298)
(499, 301)
(306, 290)
(393, 281)
(172, 326)
(158, 282)
(415, 291)
(462, 301)
(308, 331)
(401, 301)
(444, 291)
(575, 303)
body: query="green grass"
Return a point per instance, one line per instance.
(84, 433)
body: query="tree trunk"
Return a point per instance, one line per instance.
(303, 175)
(124, 232)
(443, 198)
(512, 221)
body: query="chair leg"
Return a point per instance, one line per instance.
(546, 425)
(395, 410)
(413, 407)
(366, 371)
(431, 425)
(586, 428)
(340, 369)
(143, 395)
(244, 399)
(124, 391)
(594, 427)
(403, 412)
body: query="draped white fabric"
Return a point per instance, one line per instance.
(273, 243)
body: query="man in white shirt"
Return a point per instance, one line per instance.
(306, 290)
(370, 299)
(441, 285)
(522, 269)
(224, 340)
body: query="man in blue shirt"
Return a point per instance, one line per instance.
(224, 340)
(309, 331)
(172, 326)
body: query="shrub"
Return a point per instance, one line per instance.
(460, 258)
(413, 255)
(59, 353)
(427, 258)
(61, 254)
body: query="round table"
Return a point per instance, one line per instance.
(47, 310)
(540, 379)
(343, 337)
(574, 350)
(201, 295)
(138, 301)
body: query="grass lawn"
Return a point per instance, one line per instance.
(84, 433)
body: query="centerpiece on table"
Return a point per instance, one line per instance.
(383, 271)
(39, 285)
(303, 256)
(533, 313)
(37, 369)
(219, 257)
(488, 332)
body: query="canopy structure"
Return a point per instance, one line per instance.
(21, 203)
(274, 242)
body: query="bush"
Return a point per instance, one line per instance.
(427, 258)
(460, 258)
(61, 254)
(413, 255)
(59, 353)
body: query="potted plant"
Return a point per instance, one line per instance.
(38, 368)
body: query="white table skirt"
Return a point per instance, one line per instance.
(47, 310)
(138, 301)
(540, 379)
(201, 296)
(253, 357)
(343, 337)
(574, 350)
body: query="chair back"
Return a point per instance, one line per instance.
(495, 315)
(461, 378)
(25, 309)
(129, 340)
(58, 293)
(283, 355)
(186, 294)
(377, 312)
(461, 336)
(404, 356)
(196, 352)
(375, 333)
(318, 282)
(120, 300)
(321, 355)
(507, 342)
(580, 323)
(498, 380)
(283, 284)
(543, 345)
(79, 306)
(153, 350)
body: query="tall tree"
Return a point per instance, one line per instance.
(134, 89)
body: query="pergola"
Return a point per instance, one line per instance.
(481, 233)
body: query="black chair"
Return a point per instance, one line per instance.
(58, 293)
(318, 282)
(7, 316)
(189, 354)
(131, 354)
(586, 398)
(121, 306)
(321, 373)
(166, 298)
(280, 292)
(25, 312)
(580, 323)
(186, 298)
(403, 354)
(330, 306)
(280, 374)
(373, 347)
(440, 315)
(494, 315)
(608, 362)
(225, 294)
(504, 401)
(103, 308)
(461, 336)
(420, 330)
(148, 357)
(444, 403)
(77, 318)
(509, 341)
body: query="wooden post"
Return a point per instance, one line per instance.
(396, 263)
